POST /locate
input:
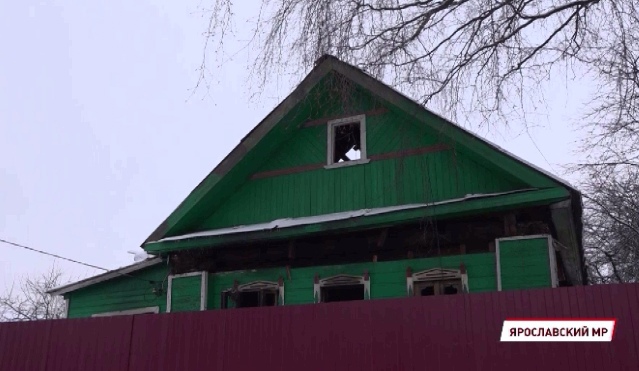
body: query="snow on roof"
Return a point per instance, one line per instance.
(123, 271)
(293, 222)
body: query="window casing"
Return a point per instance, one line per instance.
(436, 281)
(204, 278)
(346, 137)
(341, 287)
(254, 294)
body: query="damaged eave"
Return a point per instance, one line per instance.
(566, 218)
(361, 219)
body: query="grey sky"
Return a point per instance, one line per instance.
(100, 138)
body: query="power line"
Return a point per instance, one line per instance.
(53, 255)
(75, 261)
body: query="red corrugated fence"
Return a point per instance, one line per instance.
(438, 333)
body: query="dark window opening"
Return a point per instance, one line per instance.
(342, 293)
(450, 289)
(347, 143)
(437, 288)
(250, 299)
(427, 291)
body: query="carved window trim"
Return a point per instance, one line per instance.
(341, 280)
(259, 285)
(436, 275)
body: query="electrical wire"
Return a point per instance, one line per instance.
(53, 255)
(74, 261)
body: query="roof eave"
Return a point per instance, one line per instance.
(105, 276)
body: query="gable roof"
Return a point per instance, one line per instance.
(323, 67)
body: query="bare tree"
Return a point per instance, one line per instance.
(487, 61)
(30, 301)
(485, 57)
(612, 226)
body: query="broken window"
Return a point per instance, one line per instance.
(437, 281)
(437, 288)
(346, 140)
(261, 298)
(347, 143)
(342, 287)
(342, 293)
(254, 294)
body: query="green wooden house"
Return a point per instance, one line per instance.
(349, 190)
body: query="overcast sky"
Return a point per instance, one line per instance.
(101, 138)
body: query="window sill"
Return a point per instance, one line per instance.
(347, 163)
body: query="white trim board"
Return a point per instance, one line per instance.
(153, 310)
(552, 261)
(203, 288)
(105, 276)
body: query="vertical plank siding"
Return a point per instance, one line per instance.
(313, 190)
(435, 333)
(388, 279)
(130, 292)
(524, 263)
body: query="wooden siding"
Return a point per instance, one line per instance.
(284, 141)
(186, 293)
(417, 178)
(388, 279)
(524, 263)
(127, 292)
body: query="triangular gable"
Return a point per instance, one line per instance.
(193, 209)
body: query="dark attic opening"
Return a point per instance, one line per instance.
(342, 293)
(347, 142)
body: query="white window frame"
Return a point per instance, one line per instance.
(203, 288)
(262, 285)
(552, 259)
(330, 142)
(436, 275)
(341, 280)
(146, 310)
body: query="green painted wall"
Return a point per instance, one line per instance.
(229, 196)
(524, 263)
(387, 279)
(186, 293)
(121, 293)
(412, 179)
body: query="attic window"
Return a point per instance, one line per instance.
(346, 142)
